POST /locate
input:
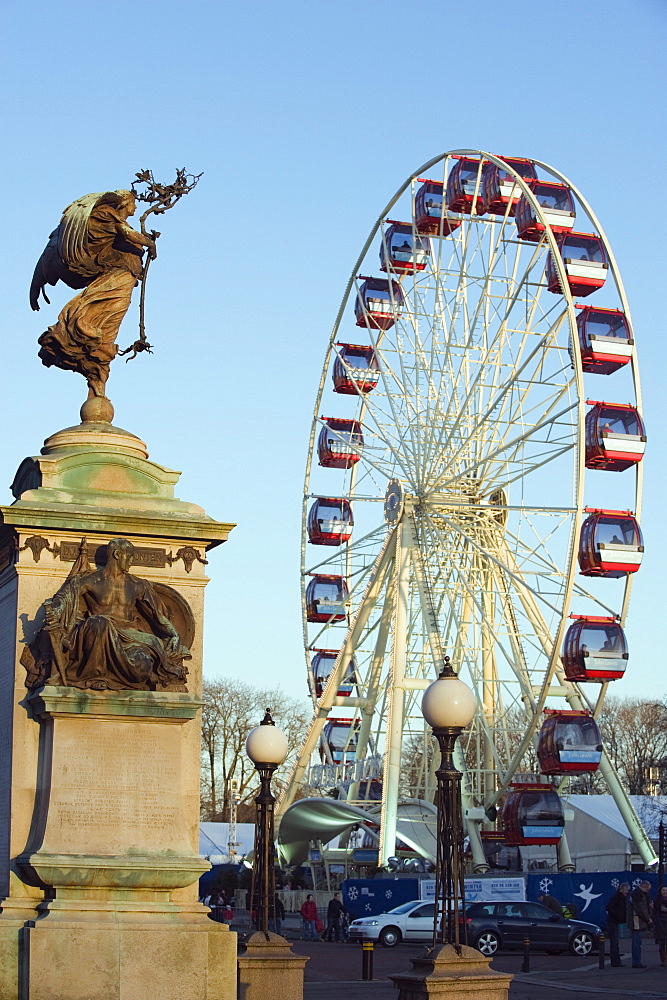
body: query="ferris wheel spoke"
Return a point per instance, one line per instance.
(515, 443)
(495, 405)
(461, 585)
(453, 525)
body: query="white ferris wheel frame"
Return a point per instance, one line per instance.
(400, 553)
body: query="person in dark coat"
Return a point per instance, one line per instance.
(639, 920)
(551, 903)
(335, 911)
(660, 924)
(617, 911)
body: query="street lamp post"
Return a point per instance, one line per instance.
(267, 965)
(266, 746)
(448, 706)
(449, 967)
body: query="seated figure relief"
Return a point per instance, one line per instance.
(109, 629)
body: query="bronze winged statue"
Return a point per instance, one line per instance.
(96, 250)
(93, 248)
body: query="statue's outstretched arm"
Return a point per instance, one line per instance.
(137, 239)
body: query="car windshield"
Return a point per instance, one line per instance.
(405, 907)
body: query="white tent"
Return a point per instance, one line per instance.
(597, 835)
(214, 841)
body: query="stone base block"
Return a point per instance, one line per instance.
(269, 968)
(456, 975)
(106, 959)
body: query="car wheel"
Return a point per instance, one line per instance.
(389, 937)
(582, 943)
(488, 943)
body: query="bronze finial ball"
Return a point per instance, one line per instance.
(97, 410)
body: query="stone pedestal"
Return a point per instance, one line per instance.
(99, 790)
(444, 972)
(269, 968)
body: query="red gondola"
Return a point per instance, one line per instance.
(355, 369)
(532, 814)
(499, 189)
(594, 649)
(325, 599)
(557, 206)
(605, 340)
(611, 544)
(615, 437)
(323, 663)
(462, 183)
(341, 737)
(330, 521)
(569, 743)
(379, 303)
(585, 263)
(403, 251)
(431, 217)
(340, 443)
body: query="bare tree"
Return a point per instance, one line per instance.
(416, 763)
(634, 734)
(231, 709)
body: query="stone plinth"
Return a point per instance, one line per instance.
(457, 975)
(110, 837)
(109, 812)
(269, 968)
(99, 791)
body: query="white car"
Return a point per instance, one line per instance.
(408, 922)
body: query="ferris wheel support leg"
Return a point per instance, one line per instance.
(479, 862)
(607, 771)
(326, 702)
(627, 811)
(373, 687)
(565, 863)
(392, 763)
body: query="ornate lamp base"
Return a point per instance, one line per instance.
(444, 972)
(268, 967)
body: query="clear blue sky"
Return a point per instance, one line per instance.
(305, 117)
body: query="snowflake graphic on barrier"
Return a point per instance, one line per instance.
(637, 882)
(545, 883)
(389, 893)
(367, 907)
(352, 892)
(615, 883)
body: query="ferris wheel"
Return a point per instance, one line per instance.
(460, 497)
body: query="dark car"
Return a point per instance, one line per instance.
(491, 926)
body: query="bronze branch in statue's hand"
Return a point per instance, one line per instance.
(137, 347)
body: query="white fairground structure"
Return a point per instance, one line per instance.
(467, 498)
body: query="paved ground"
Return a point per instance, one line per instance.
(334, 971)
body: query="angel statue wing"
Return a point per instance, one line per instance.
(65, 257)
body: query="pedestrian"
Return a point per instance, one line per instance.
(279, 911)
(617, 914)
(551, 903)
(217, 904)
(309, 916)
(639, 920)
(660, 924)
(335, 911)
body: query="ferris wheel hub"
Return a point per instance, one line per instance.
(394, 501)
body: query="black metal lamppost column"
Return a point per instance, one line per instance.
(267, 747)
(448, 706)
